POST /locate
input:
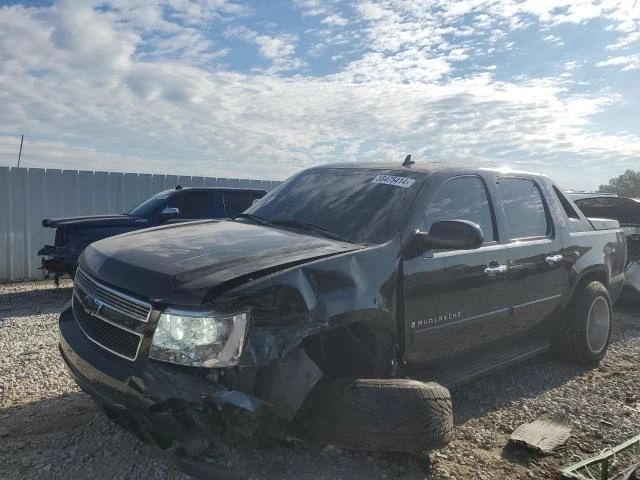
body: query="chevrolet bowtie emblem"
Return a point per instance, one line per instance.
(93, 305)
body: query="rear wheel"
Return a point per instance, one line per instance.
(586, 330)
(383, 415)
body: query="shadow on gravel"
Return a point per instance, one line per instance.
(500, 390)
(520, 455)
(68, 437)
(56, 414)
(37, 301)
(532, 378)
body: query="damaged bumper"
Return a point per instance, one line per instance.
(170, 407)
(60, 260)
(632, 281)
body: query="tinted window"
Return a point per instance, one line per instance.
(625, 210)
(150, 206)
(524, 208)
(193, 205)
(238, 202)
(359, 204)
(566, 205)
(462, 198)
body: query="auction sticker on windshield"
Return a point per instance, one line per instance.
(403, 182)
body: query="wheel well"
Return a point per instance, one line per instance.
(359, 350)
(593, 276)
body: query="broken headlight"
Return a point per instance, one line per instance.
(199, 339)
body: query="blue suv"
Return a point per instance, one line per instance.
(73, 234)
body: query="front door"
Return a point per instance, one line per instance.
(455, 300)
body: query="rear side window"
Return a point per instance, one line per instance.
(193, 205)
(462, 198)
(524, 208)
(566, 205)
(237, 202)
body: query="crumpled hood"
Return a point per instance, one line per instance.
(92, 221)
(180, 264)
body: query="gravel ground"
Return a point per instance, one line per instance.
(49, 429)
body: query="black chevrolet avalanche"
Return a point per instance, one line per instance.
(342, 305)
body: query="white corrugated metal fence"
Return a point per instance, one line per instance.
(27, 195)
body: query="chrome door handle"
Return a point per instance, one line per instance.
(553, 259)
(492, 271)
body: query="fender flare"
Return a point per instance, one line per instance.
(596, 272)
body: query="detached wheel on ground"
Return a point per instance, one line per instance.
(586, 326)
(383, 415)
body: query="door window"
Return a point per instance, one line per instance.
(237, 202)
(524, 208)
(566, 205)
(463, 198)
(193, 205)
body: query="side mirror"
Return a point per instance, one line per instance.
(170, 213)
(449, 235)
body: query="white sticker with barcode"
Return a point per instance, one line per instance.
(403, 182)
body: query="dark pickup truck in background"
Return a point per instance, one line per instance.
(73, 234)
(342, 305)
(627, 212)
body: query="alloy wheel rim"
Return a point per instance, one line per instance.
(599, 323)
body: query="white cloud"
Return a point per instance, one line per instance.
(314, 8)
(627, 62)
(624, 41)
(554, 39)
(334, 20)
(279, 49)
(131, 87)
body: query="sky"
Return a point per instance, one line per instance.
(230, 88)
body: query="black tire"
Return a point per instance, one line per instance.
(573, 342)
(383, 415)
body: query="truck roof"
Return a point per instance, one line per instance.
(223, 189)
(429, 168)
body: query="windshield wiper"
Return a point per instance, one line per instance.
(255, 218)
(310, 226)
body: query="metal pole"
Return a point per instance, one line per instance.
(20, 152)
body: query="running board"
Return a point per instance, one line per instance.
(462, 372)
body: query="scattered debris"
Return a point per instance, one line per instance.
(605, 459)
(543, 434)
(632, 473)
(51, 422)
(631, 408)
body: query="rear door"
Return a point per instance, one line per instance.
(196, 204)
(537, 269)
(455, 300)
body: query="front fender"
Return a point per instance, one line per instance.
(288, 306)
(632, 280)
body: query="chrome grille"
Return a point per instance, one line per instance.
(113, 338)
(118, 301)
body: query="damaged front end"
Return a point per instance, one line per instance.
(185, 413)
(632, 271)
(330, 316)
(57, 261)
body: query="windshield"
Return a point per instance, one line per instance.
(360, 205)
(150, 205)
